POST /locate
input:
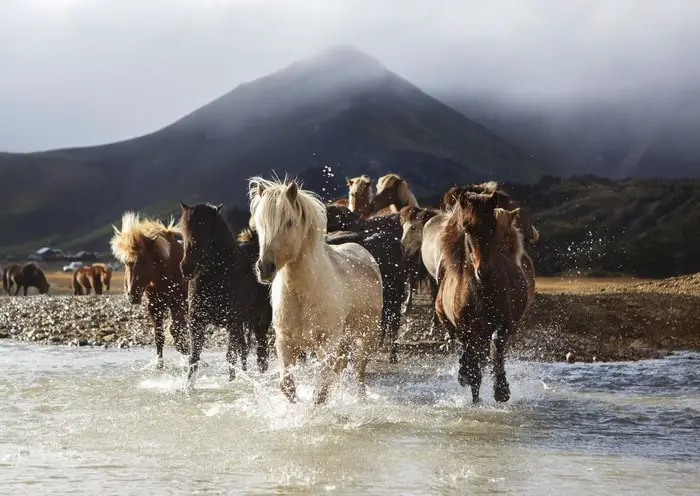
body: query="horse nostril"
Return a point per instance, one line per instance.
(270, 268)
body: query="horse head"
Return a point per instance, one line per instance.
(287, 219)
(476, 215)
(204, 234)
(360, 194)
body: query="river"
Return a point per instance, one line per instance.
(93, 421)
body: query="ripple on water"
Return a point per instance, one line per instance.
(82, 420)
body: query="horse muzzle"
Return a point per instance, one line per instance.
(266, 271)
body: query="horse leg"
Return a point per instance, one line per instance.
(157, 313)
(501, 390)
(178, 329)
(236, 344)
(363, 352)
(25, 288)
(288, 355)
(470, 371)
(260, 331)
(333, 365)
(197, 327)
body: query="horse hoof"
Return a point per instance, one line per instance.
(501, 393)
(393, 358)
(159, 364)
(262, 366)
(289, 389)
(463, 378)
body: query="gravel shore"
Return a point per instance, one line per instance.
(630, 322)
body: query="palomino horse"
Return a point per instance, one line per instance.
(381, 237)
(530, 234)
(430, 253)
(224, 291)
(413, 219)
(482, 292)
(105, 274)
(151, 256)
(324, 297)
(23, 277)
(393, 194)
(87, 278)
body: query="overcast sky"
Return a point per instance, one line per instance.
(79, 72)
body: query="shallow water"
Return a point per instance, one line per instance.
(77, 421)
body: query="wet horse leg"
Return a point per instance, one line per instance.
(288, 354)
(178, 328)
(157, 313)
(197, 327)
(470, 367)
(333, 364)
(501, 389)
(260, 330)
(236, 344)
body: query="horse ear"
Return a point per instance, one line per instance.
(348, 180)
(184, 205)
(513, 214)
(219, 207)
(292, 191)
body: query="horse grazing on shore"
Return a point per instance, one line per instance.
(151, 254)
(413, 220)
(105, 274)
(327, 298)
(24, 277)
(224, 290)
(483, 291)
(87, 278)
(452, 195)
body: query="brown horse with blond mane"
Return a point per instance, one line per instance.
(393, 194)
(483, 291)
(151, 255)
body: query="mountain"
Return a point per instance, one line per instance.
(634, 136)
(340, 108)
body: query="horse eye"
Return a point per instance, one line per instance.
(289, 224)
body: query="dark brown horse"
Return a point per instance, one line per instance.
(23, 277)
(151, 255)
(412, 221)
(87, 278)
(482, 290)
(381, 236)
(224, 290)
(452, 195)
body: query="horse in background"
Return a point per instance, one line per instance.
(483, 292)
(413, 220)
(87, 278)
(224, 290)
(105, 274)
(24, 277)
(151, 254)
(324, 297)
(393, 194)
(452, 195)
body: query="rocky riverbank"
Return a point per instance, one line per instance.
(615, 322)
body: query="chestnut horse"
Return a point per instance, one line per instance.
(87, 278)
(105, 274)
(483, 291)
(381, 237)
(324, 297)
(224, 291)
(151, 255)
(530, 234)
(22, 277)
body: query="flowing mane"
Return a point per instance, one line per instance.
(453, 242)
(312, 211)
(508, 236)
(403, 192)
(131, 240)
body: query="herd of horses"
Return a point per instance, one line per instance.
(334, 278)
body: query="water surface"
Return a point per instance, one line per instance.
(77, 421)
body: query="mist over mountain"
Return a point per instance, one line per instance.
(340, 108)
(646, 134)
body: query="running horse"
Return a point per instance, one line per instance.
(326, 298)
(151, 255)
(224, 290)
(483, 291)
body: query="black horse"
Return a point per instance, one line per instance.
(224, 290)
(381, 236)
